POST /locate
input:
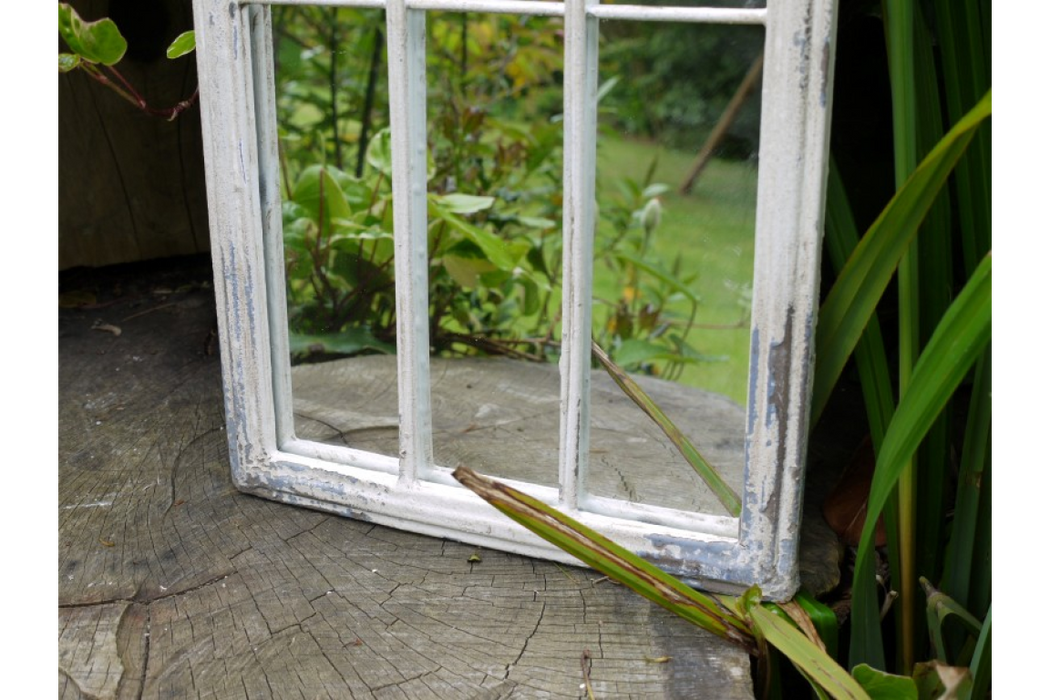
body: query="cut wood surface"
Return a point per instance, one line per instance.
(174, 585)
(500, 416)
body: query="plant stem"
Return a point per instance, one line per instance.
(900, 31)
(333, 91)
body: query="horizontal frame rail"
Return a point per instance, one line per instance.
(536, 8)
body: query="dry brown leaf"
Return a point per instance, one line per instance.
(107, 327)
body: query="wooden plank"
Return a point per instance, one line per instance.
(131, 186)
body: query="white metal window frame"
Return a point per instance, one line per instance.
(234, 54)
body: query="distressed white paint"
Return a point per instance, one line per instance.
(580, 135)
(409, 492)
(708, 15)
(406, 59)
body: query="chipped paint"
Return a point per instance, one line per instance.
(410, 495)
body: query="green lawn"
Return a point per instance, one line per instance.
(712, 229)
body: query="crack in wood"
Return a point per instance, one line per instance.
(146, 650)
(525, 645)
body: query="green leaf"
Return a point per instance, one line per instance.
(970, 519)
(726, 496)
(184, 43)
(530, 295)
(611, 559)
(318, 192)
(67, 62)
(662, 275)
(885, 686)
(823, 619)
(981, 665)
(463, 203)
(536, 222)
(348, 342)
(870, 354)
(636, 351)
(494, 248)
(856, 292)
(607, 87)
(819, 668)
(959, 339)
(937, 681)
(939, 607)
(95, 42)
(466, 271)
(379, 154)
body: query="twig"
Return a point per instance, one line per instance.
(585, 666)
(148, 311)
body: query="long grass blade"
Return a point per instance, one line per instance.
(856, 292)
(840, 239)
(973, 462)
(604, 555)
(939, 607)
(960, 338)
(726, 496)
(820, 669)
(981, 574)
(966, 64)
(981, 665)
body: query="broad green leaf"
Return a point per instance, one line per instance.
(530, 294)
(306, 116)
(820, 668)
(319, 194)
(726, 496)
(466, 271)
(885, 686)
(67, 62)
(348, 342)
(184, 43)
(958, 340)
(635, 351)
(95, 42)
(860, 285)
(495, 248)
(464, 203)
(536, 222)
(379, 154)
(611, 559)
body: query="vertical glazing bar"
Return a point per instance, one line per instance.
(270, 203)
(406, 55)
(581, 94)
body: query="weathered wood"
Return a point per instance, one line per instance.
(172, 584)
(101, 650)
(131, 186)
